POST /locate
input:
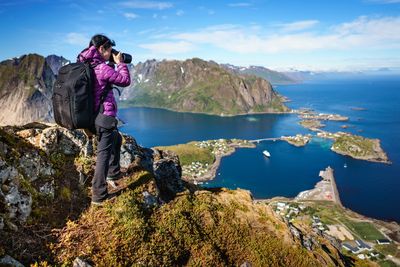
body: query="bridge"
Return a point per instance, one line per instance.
(265, 139)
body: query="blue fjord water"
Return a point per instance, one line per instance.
(372, 189)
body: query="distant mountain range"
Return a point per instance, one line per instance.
(274, 77)
(301, 76)
(195, 85)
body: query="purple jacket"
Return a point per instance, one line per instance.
(105, 74)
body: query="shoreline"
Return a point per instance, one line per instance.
(389, 229)
(325, 189)
(211, 173)
(212, 114)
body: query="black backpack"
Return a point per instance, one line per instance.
(73, 99)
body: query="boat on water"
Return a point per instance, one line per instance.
(266, 153)
(345, 165)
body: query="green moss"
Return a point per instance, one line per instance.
(65, 193)
(58, 159)
(85, 164)
(190, 230)
(27, 186)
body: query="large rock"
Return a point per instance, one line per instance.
(18, 203)
(63, 140)
(34, 171)
(168, 173)
(10, 261)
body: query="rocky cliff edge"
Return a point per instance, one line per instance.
(157, 219)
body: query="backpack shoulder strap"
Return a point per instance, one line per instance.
(103, 97)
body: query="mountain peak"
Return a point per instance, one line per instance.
(196, 85)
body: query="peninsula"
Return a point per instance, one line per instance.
(320, 212)
(201, 159)
(356, 146)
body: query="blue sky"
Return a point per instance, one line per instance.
(306, 35)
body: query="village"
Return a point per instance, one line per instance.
(323, 116)
(320, 211)
(199, 172)
(360, 238)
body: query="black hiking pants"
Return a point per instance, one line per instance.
(107, 161)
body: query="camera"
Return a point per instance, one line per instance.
(126, 58)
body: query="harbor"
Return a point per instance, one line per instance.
(326, 189)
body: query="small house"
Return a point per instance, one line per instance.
(383, 241)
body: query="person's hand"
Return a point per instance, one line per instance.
(117, 58)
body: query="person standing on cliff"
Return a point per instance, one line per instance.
(108, 136)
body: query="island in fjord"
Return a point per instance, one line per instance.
(199, 86)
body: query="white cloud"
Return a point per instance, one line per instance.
(384, 1)
(298, 25)
(75, 38)
(363, 33)
(130, 16)
(167, 48)
(180, 12)
(147, 4)
(239, 4)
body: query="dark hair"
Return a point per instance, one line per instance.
(101, 40)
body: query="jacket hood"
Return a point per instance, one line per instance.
(91, 54)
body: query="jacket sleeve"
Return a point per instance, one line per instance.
(119, 77)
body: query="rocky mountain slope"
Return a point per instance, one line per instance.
(26, 88)
(272, 76)
(199, 86)
(192, 85)
(157, 219)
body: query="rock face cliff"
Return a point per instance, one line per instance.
(199, 86)
(26, 88)
(157, 219)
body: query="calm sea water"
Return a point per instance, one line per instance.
(372, 189)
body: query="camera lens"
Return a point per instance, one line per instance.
(126, 58)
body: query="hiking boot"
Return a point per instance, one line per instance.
(112, 184)
(114, 177)
(100, 203)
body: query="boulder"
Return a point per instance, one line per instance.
(10, 261)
